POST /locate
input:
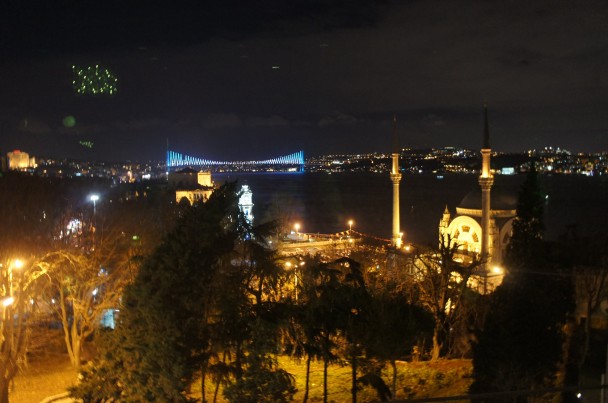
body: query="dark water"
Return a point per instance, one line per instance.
(324, 203)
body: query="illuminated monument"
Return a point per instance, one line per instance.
(482, 227)
(246, 203)
(395, 178)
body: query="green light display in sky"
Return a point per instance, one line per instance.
(69, 121)
(86, 143)
(94, 80)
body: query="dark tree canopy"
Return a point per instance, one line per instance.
(158, 342)
(521, 343)
(528, 227)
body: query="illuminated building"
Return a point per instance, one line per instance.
(481, 226)
(246, 203)
(19, 160)
(191, 185)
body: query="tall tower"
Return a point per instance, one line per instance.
(246, 203)
(395, 178)
(486, 180)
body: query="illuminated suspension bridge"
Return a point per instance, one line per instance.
(178, 160)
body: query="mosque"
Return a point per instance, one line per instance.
(481, 226)
(484, 218)
(483, 221)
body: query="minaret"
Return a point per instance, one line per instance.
(395, 178)
(486, 180)
(444, 224)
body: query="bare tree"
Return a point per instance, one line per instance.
(81, 291)
(439, 283)
(19, 285)
(591, 287)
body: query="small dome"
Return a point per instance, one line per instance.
(500, 199)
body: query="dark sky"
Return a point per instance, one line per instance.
(246, 79)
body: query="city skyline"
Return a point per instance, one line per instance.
(236, 81)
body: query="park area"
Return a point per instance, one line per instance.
(52, 375)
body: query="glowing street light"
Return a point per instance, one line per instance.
(296, 226)
(94, 197)
(8, 301)
(15, 264)
(350, 227)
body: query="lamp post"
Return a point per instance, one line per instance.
(350, 227)
(94, 197)
(15, 264)
(296, 226)
(288, 267)
(8, 299)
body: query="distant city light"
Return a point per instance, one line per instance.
(73, 227)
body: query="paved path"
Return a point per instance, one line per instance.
(61, 398)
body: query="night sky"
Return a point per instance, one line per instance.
(245, 79)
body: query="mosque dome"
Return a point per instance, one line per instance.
(503, 201)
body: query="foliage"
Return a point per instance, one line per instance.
(18, 286)
(100, 379)
(160, 339)
(522, 341)
(262, 380)
(528, 226)
(82, 287)
(439, 284)
(208, 291)
(396, 326)
(31, 210)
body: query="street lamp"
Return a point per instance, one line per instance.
(350, 227)
(15, 264)
(296, 226)
(7, 301)
(94, 197)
